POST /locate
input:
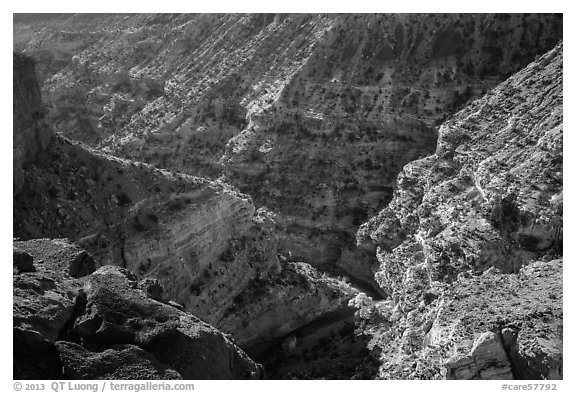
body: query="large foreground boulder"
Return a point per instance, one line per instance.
(100, 325)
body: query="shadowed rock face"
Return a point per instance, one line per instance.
(34, 134)
(468, 248)
(347, 100)
(101, 326)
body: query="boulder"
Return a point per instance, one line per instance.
(117, 312)
(43, 303)
(102, 326)
(487, 360)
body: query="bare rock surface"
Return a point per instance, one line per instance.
(102, 326)
(43, 302)
(117, 312)
(57, 255)
(466, 246)
(45, 295)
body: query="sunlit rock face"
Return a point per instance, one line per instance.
(470, 248)
(312, 115)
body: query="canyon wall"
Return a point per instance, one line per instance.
(470, 248)
(347, 100)
(306, 126)
(203, 241)
(29, 118)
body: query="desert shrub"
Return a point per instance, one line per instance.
(52, 192)
(123, 199)
(505, 215)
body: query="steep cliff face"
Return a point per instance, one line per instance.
(468, 248)
(28, 117)
(204, 241)
(346, 99)
(361, 108)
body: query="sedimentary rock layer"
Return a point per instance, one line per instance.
(202, 240)
(468, 248)
(347, 100)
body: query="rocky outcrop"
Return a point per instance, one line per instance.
(56, 255)
(346, 99)
(28, 117)
(466, 247)
(100, 326)
(515, 331)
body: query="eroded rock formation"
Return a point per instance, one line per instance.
(470, 248)
(312, 116)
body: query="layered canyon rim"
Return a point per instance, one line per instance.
(287, 196)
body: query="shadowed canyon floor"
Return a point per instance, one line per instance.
(309, 196)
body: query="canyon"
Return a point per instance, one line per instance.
(304, 187)
(261, 99)
(203, 243)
